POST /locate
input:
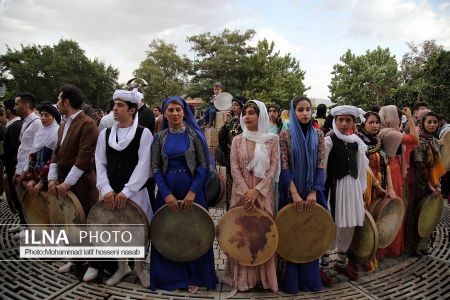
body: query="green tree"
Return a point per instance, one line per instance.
(42, 69)
(365, 80)
(165, 71)
(425, 71)
(225, 58)
(275, 78)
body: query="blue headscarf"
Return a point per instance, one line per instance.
(191, 123)
(304, 154)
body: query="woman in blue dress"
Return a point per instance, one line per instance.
(301, 182)
(180, 167)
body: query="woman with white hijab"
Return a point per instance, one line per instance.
(43, 146)
(255, 166)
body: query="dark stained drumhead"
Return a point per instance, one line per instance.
(388, 215)
(249, 237)
(182, 236)
(65, 210)
(215, 189)
(35, 209)
(305, 236)
(430, 214)
(130, 214)
(365, 241)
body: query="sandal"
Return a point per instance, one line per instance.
(192, 289)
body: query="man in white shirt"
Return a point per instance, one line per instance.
(24, 105)
(122, 160)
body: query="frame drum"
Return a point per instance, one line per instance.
(365, 241)
(305, 236)
(182, 236)
(431, 209)
(249, 237)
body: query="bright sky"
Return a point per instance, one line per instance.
(317, 33)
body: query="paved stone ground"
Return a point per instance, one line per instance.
(401, 278)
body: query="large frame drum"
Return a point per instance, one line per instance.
(445, 150)
(304, 236)
(35, 209)
(431, 209)
(249, 237)
(65, 210)
(182, 236)
(388, 215)
(365, 241)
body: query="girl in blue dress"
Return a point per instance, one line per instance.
(180, 167)
(301, 182)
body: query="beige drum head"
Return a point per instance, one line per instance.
(66, 210)
(223, 101)
(182, 236)
(305, 236)
(388, 215)
(130, 214)
(35, 209)
(430, 213)
(365, 241)
(249, 237)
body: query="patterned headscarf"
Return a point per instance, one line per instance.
(304, 153)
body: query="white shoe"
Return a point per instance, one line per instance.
(65, 268)
(15, 229)
(90, 274)
(123, 270)
(19, 235)
(143, 276)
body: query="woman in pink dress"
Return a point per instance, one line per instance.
(255, 166)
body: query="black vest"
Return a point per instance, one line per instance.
(342, 159)
(121, 164)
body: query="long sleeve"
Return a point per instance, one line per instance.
(238, 179)
(100, 165)
(319, 177)
(156, 167)
(264, 185)
(285, 175)
(141, 172)
(26, 145)
(201, 172)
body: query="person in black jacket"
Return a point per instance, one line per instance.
(147, 120)
(9, 157)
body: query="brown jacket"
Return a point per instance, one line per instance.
(78, 149)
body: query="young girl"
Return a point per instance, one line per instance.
(302, 176)
(255, 167)
(426, 168)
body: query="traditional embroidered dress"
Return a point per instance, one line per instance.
(254, 170)
(180, 163)
(302, 162)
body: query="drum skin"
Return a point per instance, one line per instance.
(130, 214)
(182, 236)
(35, 209)
(365, 241)
(65, 210)
(431, 209)
(388, 215)
(215, 189)
(304, 236)
(248, 237)
(223, 101)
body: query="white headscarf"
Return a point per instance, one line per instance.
(46, 137)
(261, 160)
(133, 96)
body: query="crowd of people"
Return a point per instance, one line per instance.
(342, 161)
